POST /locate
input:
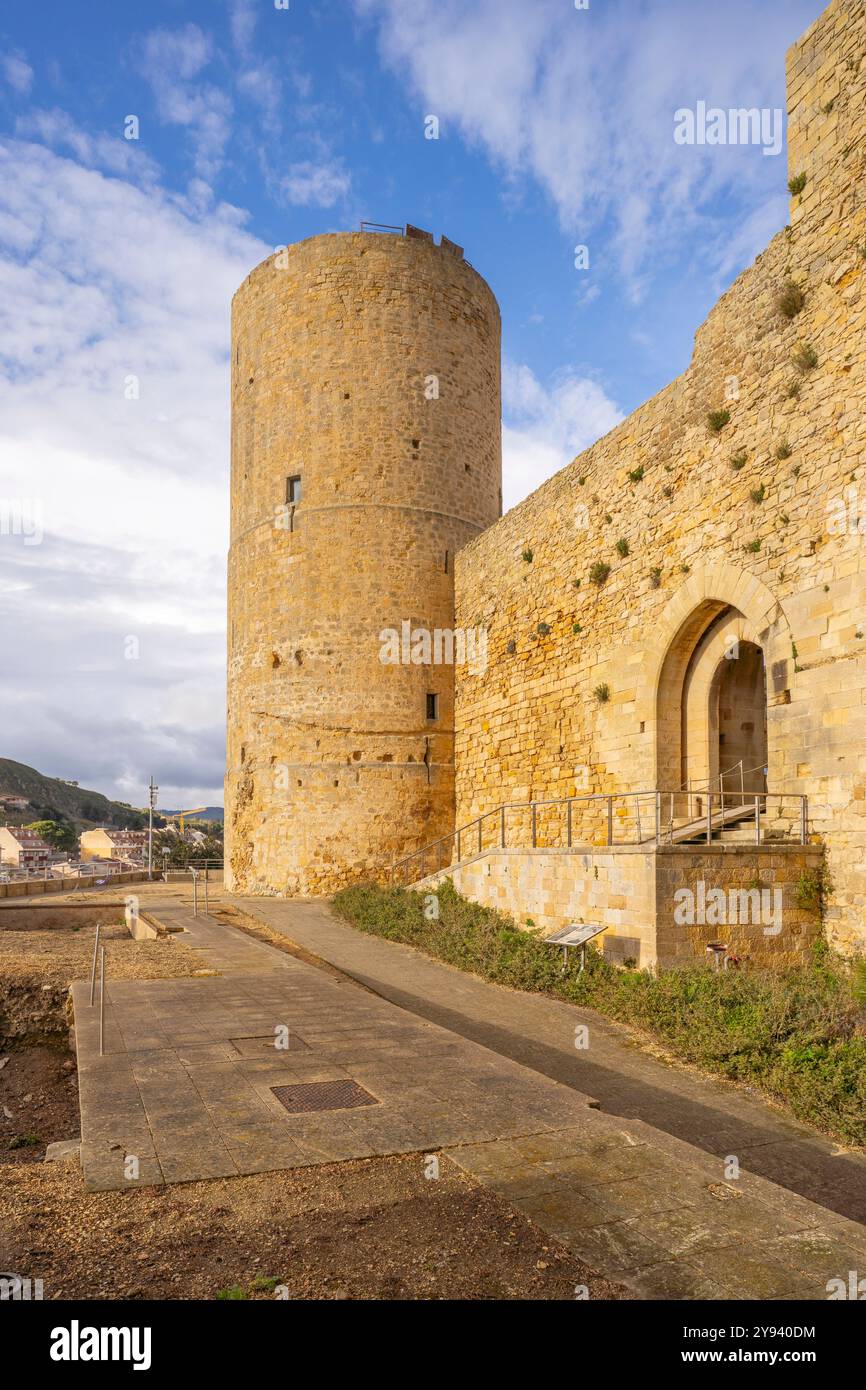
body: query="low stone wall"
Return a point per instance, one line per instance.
(651, 902)
(768, 886)
(553, 888)
(35, 887)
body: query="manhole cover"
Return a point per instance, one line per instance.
(266, 1045)
(323, 1095)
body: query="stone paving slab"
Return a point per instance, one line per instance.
(634, 1201)
(626, 1080)
(649, 1210)
(638, 1205)
(174, 1091)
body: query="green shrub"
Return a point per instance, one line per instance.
(622, 547)
(602, 694)
(636, 474)
(805, 357)
(791, 300)
(797, 184)
(738, 461)
(717, 419)
(599, 572)
(796, 1034)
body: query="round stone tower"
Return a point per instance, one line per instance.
(366, 451)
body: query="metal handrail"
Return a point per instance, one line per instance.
(605, 801)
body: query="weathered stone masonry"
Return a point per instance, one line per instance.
(751, 530)
(333, 765)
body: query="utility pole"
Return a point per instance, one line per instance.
(153, 791)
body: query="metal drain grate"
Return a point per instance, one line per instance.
(322, 1095)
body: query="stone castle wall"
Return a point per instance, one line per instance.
(755, 531)
(333, 766)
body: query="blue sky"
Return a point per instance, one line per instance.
(259, 126)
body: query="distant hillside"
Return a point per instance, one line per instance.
(209, 813)
(49, 795)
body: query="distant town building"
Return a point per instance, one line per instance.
(12, 802)
(23, 849)
(124, 845)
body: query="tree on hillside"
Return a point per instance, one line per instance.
(170, 849)
(59, 834)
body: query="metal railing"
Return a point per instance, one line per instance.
(382, 227)
(648, 818)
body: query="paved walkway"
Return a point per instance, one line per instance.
(187, 1088)
(624, 1079)
(186, 1085)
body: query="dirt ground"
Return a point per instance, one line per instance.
(38, 1100)
(61, 954)
(375, 1229)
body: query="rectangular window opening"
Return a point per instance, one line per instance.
(293, 490)
(432, 706)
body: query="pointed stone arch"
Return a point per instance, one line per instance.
(716, 602)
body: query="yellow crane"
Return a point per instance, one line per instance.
(190, 811)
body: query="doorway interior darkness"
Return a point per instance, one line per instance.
(712, 705)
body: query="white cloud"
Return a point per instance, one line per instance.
(114, 154)
(172, 61)
(101, 280)
(546, 426)
(17, 72)
(311, 184)
(261, 84)
(583, 102)
(242, 21)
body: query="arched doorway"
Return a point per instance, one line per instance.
(712, 705)
(739, 704)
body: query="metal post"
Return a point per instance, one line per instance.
(757, 819)
(102, 1001)
(709, 816)
(610, 820)
(93, 967)
(153, 789)
(802, 820)
(502, 825)
(534, 825)
(194, 892)
(205, 893)
(570, 804)
(658, 818)
(480, 839)
(458, 846)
